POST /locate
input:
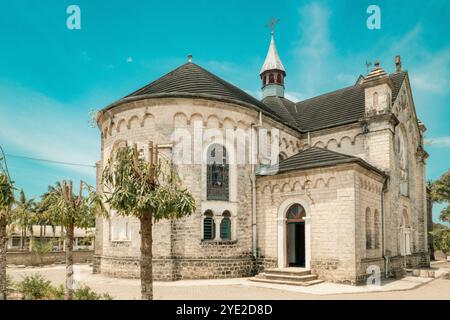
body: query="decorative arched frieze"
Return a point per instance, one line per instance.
(148, 120)
(133, 121)
(319, 144)
(332, 144)
(180, 120)
(213, 122)
(196, 117)
(121, 124)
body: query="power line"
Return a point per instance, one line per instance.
(51, 161)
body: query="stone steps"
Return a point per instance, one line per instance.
(290, 276)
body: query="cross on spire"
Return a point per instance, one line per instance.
(272, 23)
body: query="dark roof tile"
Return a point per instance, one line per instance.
(315, 157)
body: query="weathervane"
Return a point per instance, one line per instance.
(368, 64)
(272, 23)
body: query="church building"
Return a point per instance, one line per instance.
(342, 197)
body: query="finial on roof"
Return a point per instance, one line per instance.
(398, 64)
(189, 57)
(272, 24)
(376, 73)
(273, 61)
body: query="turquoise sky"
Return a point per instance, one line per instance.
(51, 77)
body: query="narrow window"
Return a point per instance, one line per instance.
(376, 219)
(271, 78)
(217, 173)
(375, 100)
(225, 226)
(368, 229)
(279, 78)
(208, 226)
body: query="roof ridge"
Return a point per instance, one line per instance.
(161, 77)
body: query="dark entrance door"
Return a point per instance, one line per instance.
(295, 236)
(296, 244)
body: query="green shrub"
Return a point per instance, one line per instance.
(57, 293)
(35, 287)
(86, 293)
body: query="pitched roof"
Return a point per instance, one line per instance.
(339, 107)
(332, 109)
(315, 157)
(283, 107)
(273, 61)
(191, 80)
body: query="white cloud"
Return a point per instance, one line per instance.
(443, 142)
(293, 96)
(129, 60)
(42, 127)
(313, 52)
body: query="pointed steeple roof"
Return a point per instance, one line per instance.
(273, 61)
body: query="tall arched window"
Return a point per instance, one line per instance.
(279, 78)
(217, 173)
(271, 78)
(376, 220)
(369, 240)
(208, 226)
(403, 162)
(225, 226)
(375, 99)
(405, 234)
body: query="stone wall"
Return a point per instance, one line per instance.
(178, 246)
(331, 197)
(32, 259)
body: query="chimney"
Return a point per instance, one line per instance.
(398, 64)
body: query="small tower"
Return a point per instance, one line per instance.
(272, 73)
(377, 90)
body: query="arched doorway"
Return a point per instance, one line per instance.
(295, 236)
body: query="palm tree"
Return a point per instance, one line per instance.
(70, 211)
(6, 202)
(147, 191)
(24, 216)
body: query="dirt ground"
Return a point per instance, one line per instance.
(128, 289)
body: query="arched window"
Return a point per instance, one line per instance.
(208, 226)
(376, 219)
(369, 241)
(296, 212)
(225, 226)
(375, 99)
(403, 162)
(279, 78)
(405, 234)
(217, 173)
(271, 78)
(264, 80)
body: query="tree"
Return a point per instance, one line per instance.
(148, 190)
(440, 193)
(6, 202)
(70, 211)
(24, 216)
(441, 237)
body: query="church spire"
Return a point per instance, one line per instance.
(272, 72)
